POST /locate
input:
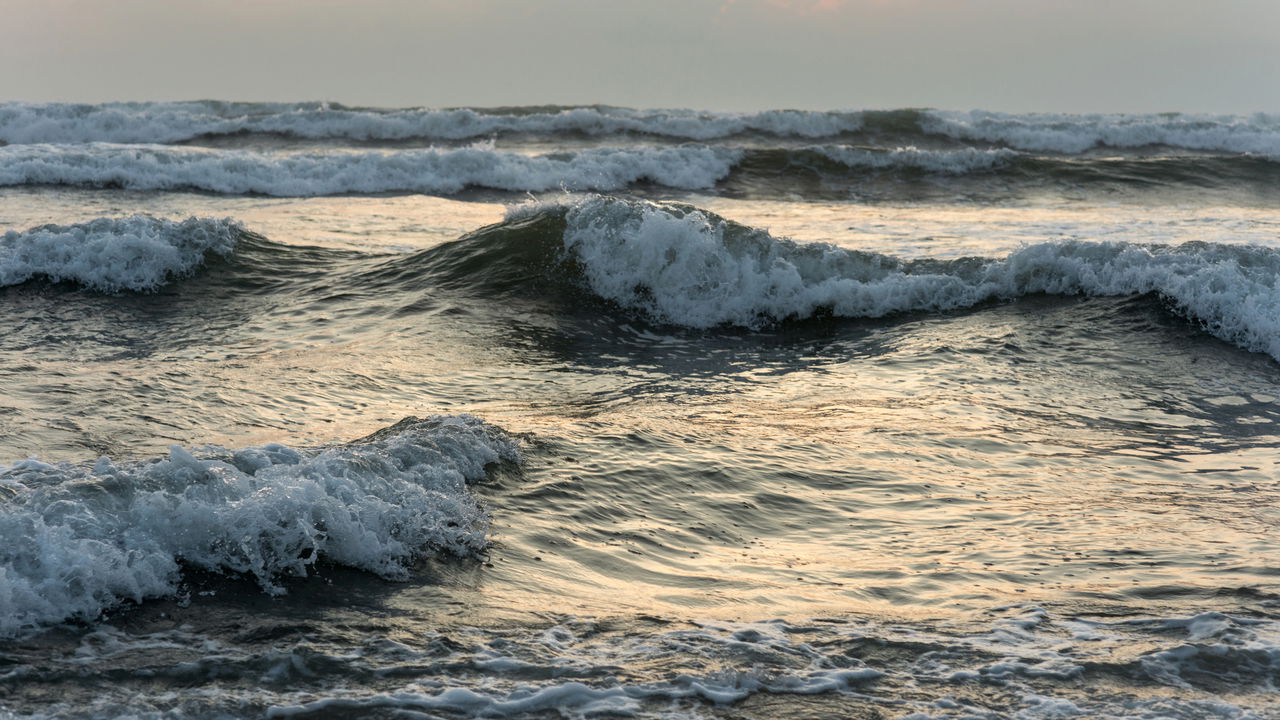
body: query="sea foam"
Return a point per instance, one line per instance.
(160, 167)
(680, 265)
(78, 539)
(111, 254)
(948, 162)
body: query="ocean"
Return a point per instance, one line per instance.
(315, 411)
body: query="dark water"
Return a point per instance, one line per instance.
(993, 434)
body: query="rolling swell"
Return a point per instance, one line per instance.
(78, 539)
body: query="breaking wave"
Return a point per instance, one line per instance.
(1066, 133)
(679, 265)
(684, 266)
(76, 540)
(175, 122)
(112, 254)
(168, 122)
(159, 167)
(767, 171)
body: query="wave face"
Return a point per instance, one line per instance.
(113, 254)
(684, 266)
(76, 540)
(157, 167)
(176, 122)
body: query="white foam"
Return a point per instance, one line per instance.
(112, 254)
(781, 667)
(1065, 133)
(1215, 645)
(76, 539)
(951, 162)
(690, 268)
(172, 122)
(159, 167)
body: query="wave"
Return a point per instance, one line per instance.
(158, 167)
(765, 171)
(176, 122)
(112, 254)
(951, 162)
(986, 169)
(169, 122)
(78, 539)
(679, 265)
(1065, 133)
(676, 264)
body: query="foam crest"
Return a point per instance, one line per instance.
(76, 540)
(112, 254)
(158, 167)
(684, 266)
(175, 122)
(1066, 133)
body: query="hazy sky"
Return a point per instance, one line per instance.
(1016, 55)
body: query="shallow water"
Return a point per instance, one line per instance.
(901, 441)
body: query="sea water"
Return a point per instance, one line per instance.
(327, 412)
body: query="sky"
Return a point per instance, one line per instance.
(1011, 55)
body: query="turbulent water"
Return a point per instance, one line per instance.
(328, 412)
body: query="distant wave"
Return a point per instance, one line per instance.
(160, 167)
(111, 254)
(176, 122)
(684, 266)
(765, 171)
(78, 539)
(1064, 133)
(27, 123)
